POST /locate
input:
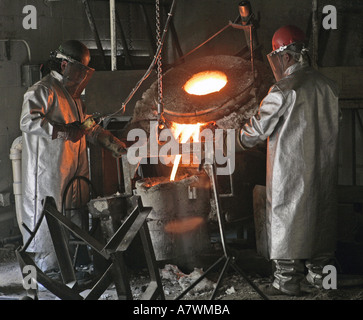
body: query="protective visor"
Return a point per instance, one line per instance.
(275, 60)
(75, 76)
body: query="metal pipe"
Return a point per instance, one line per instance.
(203, 43)
(113, 35)
(230, 24)
(24, 42)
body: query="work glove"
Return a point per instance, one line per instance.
(107, 140)
(70, 131)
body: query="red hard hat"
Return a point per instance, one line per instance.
(287, 35)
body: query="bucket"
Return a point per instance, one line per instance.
(177, 222)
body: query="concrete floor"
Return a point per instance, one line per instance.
(174, 280)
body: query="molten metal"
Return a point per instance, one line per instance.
(205, 82)
(184, 132)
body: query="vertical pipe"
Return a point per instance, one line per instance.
(315, 33)
(113, 35)
(15, 156)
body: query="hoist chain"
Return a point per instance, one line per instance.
(159, 63)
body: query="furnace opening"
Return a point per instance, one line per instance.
(205, 82)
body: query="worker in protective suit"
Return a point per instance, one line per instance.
(55, 128)
(299, 118)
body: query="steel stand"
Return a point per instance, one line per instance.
(229, 260)
(113, 252)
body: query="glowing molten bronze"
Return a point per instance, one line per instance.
(205, 82)
(183, 132)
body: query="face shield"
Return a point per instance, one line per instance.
(75, 76)
(275, 58)
(276, 63)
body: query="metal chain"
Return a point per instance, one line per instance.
(159, 63)
(151, 67)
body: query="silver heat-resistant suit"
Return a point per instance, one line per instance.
(299, 118)
(49, 164)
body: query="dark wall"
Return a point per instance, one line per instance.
(196, 21)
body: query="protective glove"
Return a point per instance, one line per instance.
(107, 140)
(70, 131)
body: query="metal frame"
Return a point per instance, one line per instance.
(229, 260)
(113, 252)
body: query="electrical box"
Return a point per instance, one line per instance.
(30, 74)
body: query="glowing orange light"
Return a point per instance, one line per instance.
(183, 225)
(184, 132)
(205, 82)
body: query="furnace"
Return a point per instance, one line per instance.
(237, 93)
(213, 92)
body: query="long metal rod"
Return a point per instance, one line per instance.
(32, 233)
(71, 226)
(230, 24)
(250, 282)
(203, 43)
(113, 35)
(228, 259)
(200, 278)
(214, 183)
(220, 278)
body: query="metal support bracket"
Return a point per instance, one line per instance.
(113, 252)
